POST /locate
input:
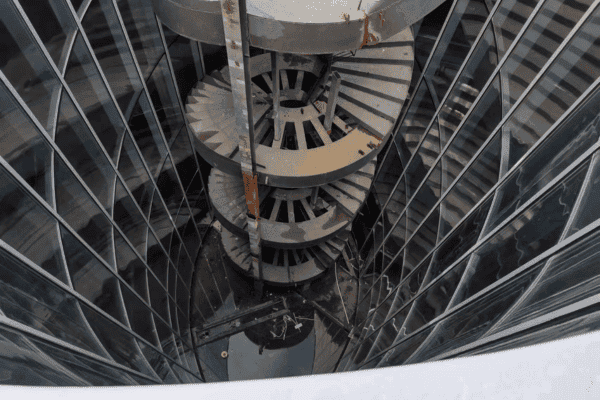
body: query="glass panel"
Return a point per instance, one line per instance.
(159, 364)
(158, 298)
(131, 268)
(23, 147)
(90, 278)
(433, 302)
(139, 315)
(54, 27)
(32, 300)
(83, 152)
(22, 362)
(461, 240)
(395, 240)
(169, 187)
(138, 18)
(456, 41)
(119, 343)
(423, 241)
(576, 135)
(28, 228)
(129, 219)
(417, 118)
(24, 65)
(84, 216)
(474, 319)
(472, 186)
(424, 200)
(147, 135)
(508, 21)
(157, 260)
(191, 238)
(390, 170)
(401, 352)
(106, 37)
(485, 117)
(474, 76)
(572, 276)
(183, 158)
(134, 174)
(90, 92)
(529, 235)
(183, 64)
(562, 328)
(94, 372)
(589, 207)
(164, 98)
(424, 159)
(569, 76)
(550, 26)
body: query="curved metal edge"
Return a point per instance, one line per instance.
(205, 24)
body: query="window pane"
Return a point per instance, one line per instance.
(83, 152)
(26, 68)
(84, 216)
(134, 174)
(34, 301)
(90, 92)
(147, 135)
(129, 219)
(104, 32)
(90, 278)
(28, 228)
(23, 147)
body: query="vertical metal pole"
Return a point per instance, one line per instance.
(275, 64)
(235, 25)
(336, 83)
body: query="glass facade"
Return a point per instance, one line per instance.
(479, 235)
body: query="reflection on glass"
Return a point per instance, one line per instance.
(147, 135)
(461, 30)
(589, 209)
(119, 343)
(89, 90)
(140, 22)
(184, 160)
(479, 125)
(423, 241)
(54, 27)
(529, 235)
(550, 26)
(28, 228)
(129, 219)
(130, 267)
(402, 351)
(134, 174)
(182, 58)
(140, 317)
(22, 146)
(164, 98)
(90, 278)
(569, 141)
(79, 147)
(169, 187)
(472, 79)
(23, 362)
(417, 118)
(473, 320)
(572, 276)
(424, 200)
(32, 300)
(568, 77)
(106, 37)
(81, 213)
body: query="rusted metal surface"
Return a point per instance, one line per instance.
(293, 28)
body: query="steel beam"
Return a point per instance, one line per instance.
(334, 90)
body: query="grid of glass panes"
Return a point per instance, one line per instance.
(102, 196)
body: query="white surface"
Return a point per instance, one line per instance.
(566, 369)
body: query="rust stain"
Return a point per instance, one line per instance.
(229, 7)
(251, 192)
(368, 37)
(366, 132)
(381, 17)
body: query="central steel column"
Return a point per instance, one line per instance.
(235, 24)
